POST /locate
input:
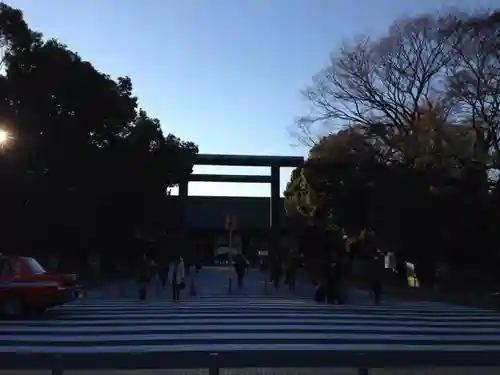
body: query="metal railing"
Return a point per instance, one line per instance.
(359, 362)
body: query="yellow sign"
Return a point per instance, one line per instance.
(231, 222)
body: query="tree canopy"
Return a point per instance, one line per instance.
(86, 167)
(412, 155)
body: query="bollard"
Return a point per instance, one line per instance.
(57, 369)
(192, 288)
(265, 285)
(230, 285)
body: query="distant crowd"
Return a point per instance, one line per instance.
(155, 275)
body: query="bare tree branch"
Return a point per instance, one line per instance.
(475, 84)
(383, 81)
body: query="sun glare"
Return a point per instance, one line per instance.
(4, 137)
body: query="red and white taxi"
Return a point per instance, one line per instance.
(26, 287)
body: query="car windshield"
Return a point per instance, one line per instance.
(34, 266)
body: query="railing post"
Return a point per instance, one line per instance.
(362, 371)
(57, 368)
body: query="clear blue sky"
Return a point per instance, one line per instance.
(225, 74)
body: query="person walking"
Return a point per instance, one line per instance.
(276, 272)
(291, 270)
(164, 272)
(144, 277)
(240, 266)
(334, 280)
(376, 278)
(155, 277)
(177, 274)
(376, 267)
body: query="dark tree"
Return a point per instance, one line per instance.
(86, 168)
(416, 159)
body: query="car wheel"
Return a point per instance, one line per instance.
(12, 306)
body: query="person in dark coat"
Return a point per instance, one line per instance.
(276, 272)
(240, 266)
(333, 283)
(376, 277)
(177, 274)
(163, 273)
(292, 268)
(144, 277)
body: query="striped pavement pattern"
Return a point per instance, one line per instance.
(261, 324)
